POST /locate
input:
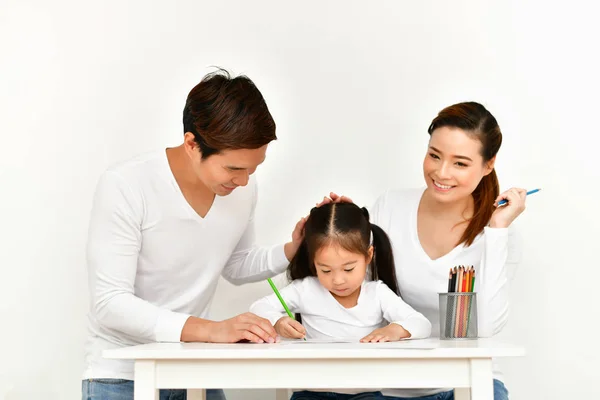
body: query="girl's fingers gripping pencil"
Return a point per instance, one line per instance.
(287, 310)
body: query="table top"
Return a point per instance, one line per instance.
(418, 348)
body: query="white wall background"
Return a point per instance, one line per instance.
(352, 86)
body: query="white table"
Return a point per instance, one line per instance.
(431, 363)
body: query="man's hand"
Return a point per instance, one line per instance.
(289, 328)
(391, 333)
(334, 198)
(246, 326)
(291, 248)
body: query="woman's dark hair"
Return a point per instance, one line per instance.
(348, 226)
(225, 113)
(477, 121)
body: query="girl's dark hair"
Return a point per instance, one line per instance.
(478, 122)
(348, 226)
(225, 113)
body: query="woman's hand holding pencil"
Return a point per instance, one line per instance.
(509, 205)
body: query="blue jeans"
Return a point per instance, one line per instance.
(500, 393)
(122, 389)
(308, 395)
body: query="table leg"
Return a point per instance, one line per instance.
(145, 380)
(462, 394)
(482, 380)
(196, 394)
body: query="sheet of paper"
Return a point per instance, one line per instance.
(300, 341)
(403, 344)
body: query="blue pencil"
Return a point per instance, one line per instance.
(503, 202)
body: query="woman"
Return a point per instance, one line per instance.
(455, 220)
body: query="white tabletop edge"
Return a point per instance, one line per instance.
(426, 348)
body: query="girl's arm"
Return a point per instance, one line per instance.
(501, 255)
(396, 311)
(270, 307)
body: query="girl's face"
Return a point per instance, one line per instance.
(340, 271)
(453, 165)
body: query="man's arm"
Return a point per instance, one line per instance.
(114, 242)
(251, 263)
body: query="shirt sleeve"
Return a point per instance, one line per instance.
(251, 263)
(114, 242)
(502, 254)
(396, 311)
(270, 307)
(377, 209)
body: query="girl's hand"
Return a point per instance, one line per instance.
(506, 214)
(391, 333)
(289, 328)
(334, 198)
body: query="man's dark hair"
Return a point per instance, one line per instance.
(226, 113)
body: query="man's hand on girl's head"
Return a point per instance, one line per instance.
(291, 248)
(334, 198)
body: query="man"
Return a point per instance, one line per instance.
(165, 225)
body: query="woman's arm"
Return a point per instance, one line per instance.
(501, 256)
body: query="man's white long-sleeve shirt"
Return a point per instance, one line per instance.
(153, 261)
(495, 254)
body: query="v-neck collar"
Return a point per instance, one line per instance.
(184, 203)
(414, 228)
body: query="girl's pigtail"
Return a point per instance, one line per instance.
(299, 267)
(382, 265)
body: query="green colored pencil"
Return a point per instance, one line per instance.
(287, 310)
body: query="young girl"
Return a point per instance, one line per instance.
(455, 220)
(343, 286)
